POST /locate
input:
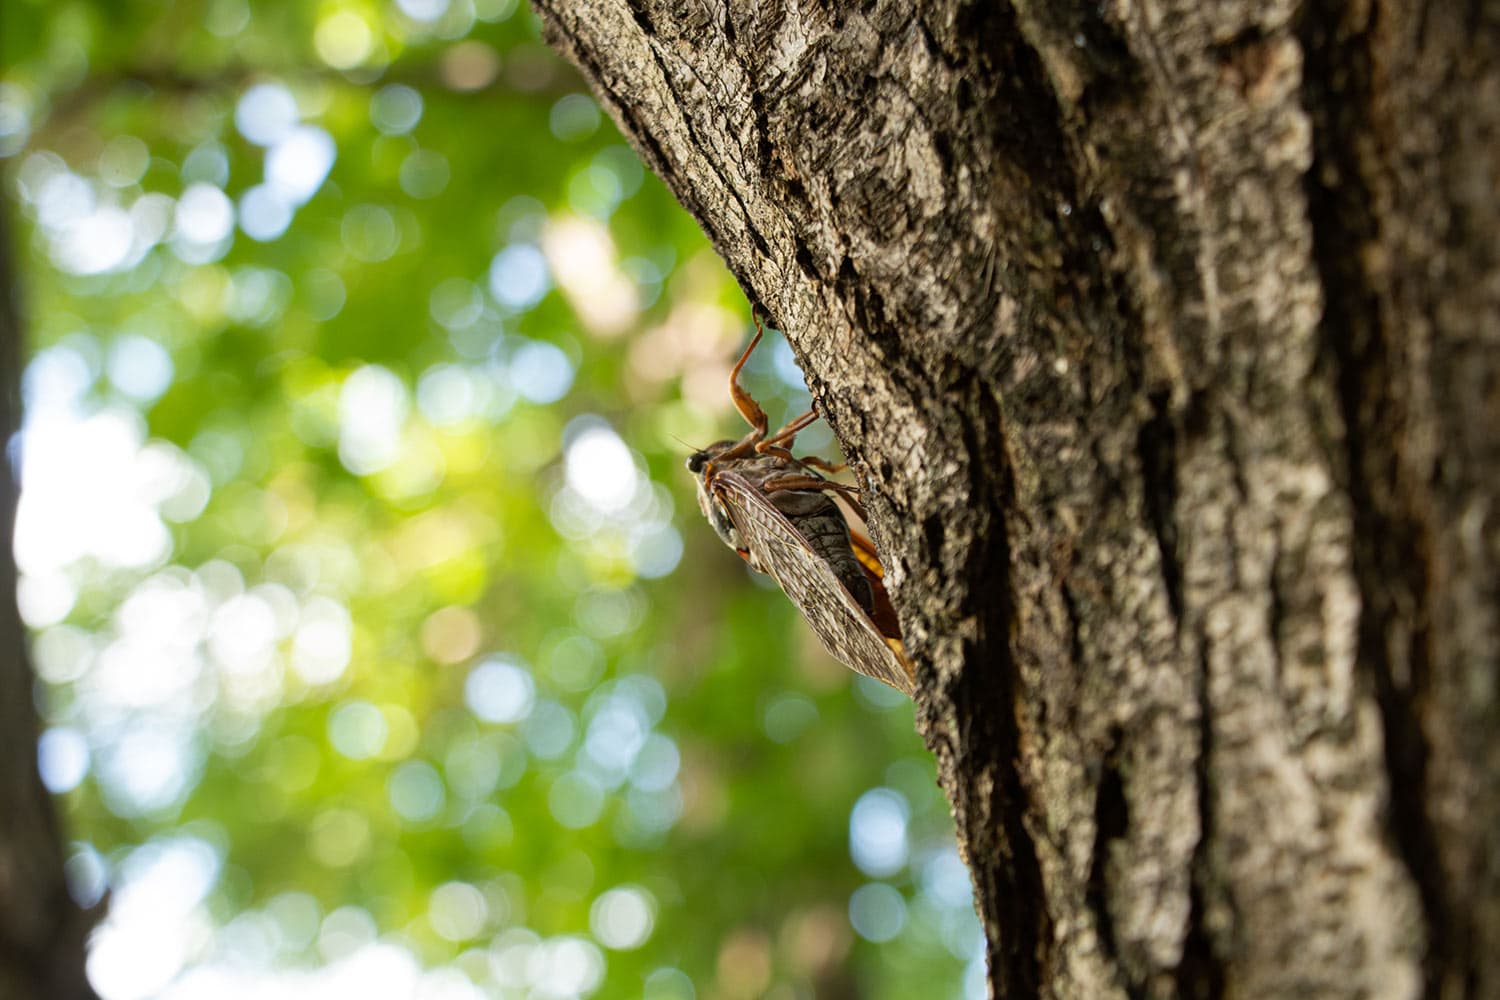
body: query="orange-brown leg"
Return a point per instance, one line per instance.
(776, 451)
(792, 481)
(785, 435)
(809, 461)
(743, 401)
(859, 509)
(818, 463)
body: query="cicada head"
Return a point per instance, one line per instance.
(700, 464)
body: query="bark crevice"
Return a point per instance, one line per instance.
(1391, 553)
(1018, 928)
(1201, 973)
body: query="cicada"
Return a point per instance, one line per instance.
(806, 532)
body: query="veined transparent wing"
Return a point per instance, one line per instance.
(779, 549)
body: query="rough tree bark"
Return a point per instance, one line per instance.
(42, 930)
(1165, 339)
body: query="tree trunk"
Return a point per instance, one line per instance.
(42, 931)
(1165, 341)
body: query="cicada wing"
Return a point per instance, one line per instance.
(884, 613)
(779, 549)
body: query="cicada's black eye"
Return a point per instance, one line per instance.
(696, 461)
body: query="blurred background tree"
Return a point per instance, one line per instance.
(382, 651)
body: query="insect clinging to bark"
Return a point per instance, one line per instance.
(805, 531)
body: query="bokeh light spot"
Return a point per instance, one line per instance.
(265, 113)
(370, 233)
(623, 918)
(345, 931)
(574, 117)
(500, 691)
(98, 242)
(297, 918)
(424, 173)
(323, 642)
(344, 39)
(550, 730)
(877, 832)
(787, 716)
(139, 367)
(297, 165)
(448, 395)
(457, 911)
(339, 838)
(324, 292)
(745, 963)
(574, 662)
(655, 550)
(669, 984)
(599, 465)
(880, 697)
(15, 118)
(396, 108)
(372, 413)
(62, 759)
(204, 214)
(877, 912)
(123, 161)
(416, 791)
(456, 303)
(450, 635)
(357, 729)
(540, 371)
(469, 66)
(568, 966)
(946, 880)
(472, 768)
(518, 276)
(45, 599)
(208, 163)
(147, 770)
(265, 213)
(87, 874)
(655, 767)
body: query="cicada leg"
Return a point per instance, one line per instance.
(792, 481)
(743, 401)
(818, 463)
(780, 443)
(785, 435)
(746, 404)
(859, 509)
(807, 461)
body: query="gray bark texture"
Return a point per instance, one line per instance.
(42, 930)
(1164, 338)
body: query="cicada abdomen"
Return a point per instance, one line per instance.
(819, 520)
(780, 515)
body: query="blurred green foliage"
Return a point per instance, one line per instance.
(384, 652)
